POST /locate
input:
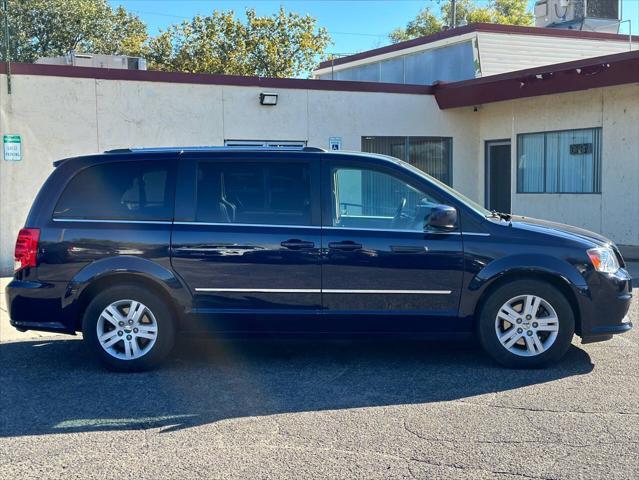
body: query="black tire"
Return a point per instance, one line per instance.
(160, 311)
(487, 333)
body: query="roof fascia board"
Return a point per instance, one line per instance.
(210, 79)
(585, 74)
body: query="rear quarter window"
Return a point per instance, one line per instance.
(140, 190)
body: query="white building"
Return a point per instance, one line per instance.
(552, 135)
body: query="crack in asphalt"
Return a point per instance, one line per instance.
(474, 469)
(545, 410)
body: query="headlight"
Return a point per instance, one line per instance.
(603, 259)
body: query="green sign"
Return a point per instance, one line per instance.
(12, 148)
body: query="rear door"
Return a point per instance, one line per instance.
(382, 270)
(246, 240)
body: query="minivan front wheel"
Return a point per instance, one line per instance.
(526, 324)
(128, 328)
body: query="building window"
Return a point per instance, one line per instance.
(451, 63)
(567, 161)
(432, 155)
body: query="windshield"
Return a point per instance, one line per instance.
(454, 193)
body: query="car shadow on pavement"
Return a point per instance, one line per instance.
(55, 386)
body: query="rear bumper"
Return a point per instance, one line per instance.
(34, 305)
(604, 307)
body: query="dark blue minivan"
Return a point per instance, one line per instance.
(135, 246)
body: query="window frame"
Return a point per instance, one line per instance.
(186, 195)
(596, 175)
(170, 190)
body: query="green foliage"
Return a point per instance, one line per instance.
(510, 12)
(280, 45)
(425, 23)
(43, 28)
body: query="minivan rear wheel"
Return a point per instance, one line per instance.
(128, 328)
(526, 324)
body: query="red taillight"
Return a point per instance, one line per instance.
(26, 248)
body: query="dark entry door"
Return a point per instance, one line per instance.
(498, 175)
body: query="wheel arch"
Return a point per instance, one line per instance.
(100, 275)
(554, 279)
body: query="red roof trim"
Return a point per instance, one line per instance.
(605, 71)
(209, 79)
(478, 27)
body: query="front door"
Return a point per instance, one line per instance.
(381, 270)
(498, 175)
(246, 241)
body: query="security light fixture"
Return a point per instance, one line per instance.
(269, 99)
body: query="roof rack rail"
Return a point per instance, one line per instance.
(118, 150)
(213, 148)
(313, 149)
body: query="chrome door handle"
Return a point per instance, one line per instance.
(409, 248)
(346, 245)
(295, 244)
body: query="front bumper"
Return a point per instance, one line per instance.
(604, 307)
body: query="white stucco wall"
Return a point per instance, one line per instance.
(614, 212)
(59, 117)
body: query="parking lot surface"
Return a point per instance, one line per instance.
(260, 410)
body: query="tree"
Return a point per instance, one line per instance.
(43, 28)
(511, 12)
(426, 23)
(280, 45)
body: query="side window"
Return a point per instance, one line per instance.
(254, 193)
(119, 191)
(366, 198)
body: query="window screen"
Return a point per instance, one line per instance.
(254, 193)
(568, 161)
(119, 191)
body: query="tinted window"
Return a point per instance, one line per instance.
(120, 190)
(254, 193)
(365, 198)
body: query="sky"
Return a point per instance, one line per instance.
(354, 25)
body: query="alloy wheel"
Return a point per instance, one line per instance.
(127, 329)
(527, 325)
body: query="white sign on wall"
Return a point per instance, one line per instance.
(12, 148)
(335, 143)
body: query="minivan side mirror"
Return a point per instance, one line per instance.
(442, 217)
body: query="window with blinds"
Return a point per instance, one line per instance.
(567, 161)
(432, 155)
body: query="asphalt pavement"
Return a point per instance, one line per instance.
(271, 410)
